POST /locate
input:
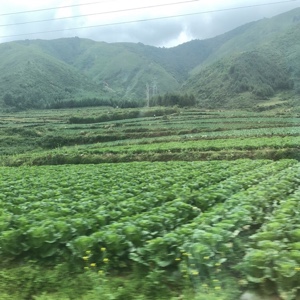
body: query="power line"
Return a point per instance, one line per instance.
(151, 19)
(54, 8)
(100, 13)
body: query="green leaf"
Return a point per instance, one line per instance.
(286, 268)
(81, 244)
(255, 279)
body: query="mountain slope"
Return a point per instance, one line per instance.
(231, 77)
(118, 70)
(237, 69)
(239, 81)
(287, 47)
(33, 79)
(124, 70)
(257, 34)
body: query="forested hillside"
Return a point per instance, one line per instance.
(32, 78)
(242, 68)
(260, 64)
(242, 80)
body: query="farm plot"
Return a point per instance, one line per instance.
(192, 215)
(40, 134)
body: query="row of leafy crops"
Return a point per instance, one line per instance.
(159, 215)
(236, 191)
(273, 256)
(147, 136)
(250, 143)
(36, 130)
(56, 203)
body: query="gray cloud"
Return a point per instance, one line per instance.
(151, 33)
(161, 32)
(158, 33)
(217, 23)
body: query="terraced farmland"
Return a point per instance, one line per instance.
(155, 134)
(169, 195)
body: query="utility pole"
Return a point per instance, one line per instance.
(148, 94)
(154, 88)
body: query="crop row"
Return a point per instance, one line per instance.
(222, 121)
(158, 221)
(206, 145)
(202, 200)
(219, 226)
(58, 204)
(273, 257)
(192, 134)
(242, 214)
(69, 191)
(159, 215)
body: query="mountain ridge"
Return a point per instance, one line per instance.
(37, 73)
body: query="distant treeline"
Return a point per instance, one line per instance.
(160, 100)
(72, 103)
(21, 102)
(169, 99)
(93, 102)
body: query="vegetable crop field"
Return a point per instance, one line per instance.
(153, 134)
(184, 200)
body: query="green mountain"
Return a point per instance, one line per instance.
(239, 81)
(116, 67)
(32, 78)
(259, 64)
(241, 68)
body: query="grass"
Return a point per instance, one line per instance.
(45, 283)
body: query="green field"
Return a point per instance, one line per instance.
(149, 204)
(157, 134)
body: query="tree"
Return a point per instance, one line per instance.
(8, 99)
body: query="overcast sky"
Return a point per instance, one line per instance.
(166, 32)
